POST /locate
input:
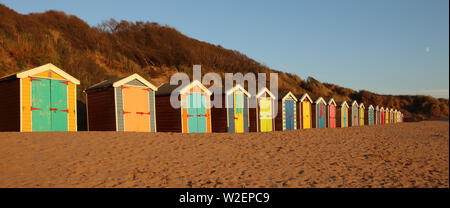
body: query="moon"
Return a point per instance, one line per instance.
(427, 49)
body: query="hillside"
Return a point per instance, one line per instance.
(114, 49)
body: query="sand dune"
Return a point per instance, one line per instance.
(396, 155)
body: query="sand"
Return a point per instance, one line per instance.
(395, 155)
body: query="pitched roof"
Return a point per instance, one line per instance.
(263, 90)
(304, 96)
(167, 88)
(344, 103)
(320, 99)
(120, 81)
(37, 70)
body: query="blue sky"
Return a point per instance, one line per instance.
(384, 46)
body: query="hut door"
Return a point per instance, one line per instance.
(381, 117)
(142, 108)
(355, 116)
(306, 109)
(332, 112)
(196, 113)
(49, 105)
(265, 114)
(136, 113)
(40, 105)
(58, 103)
(289, 108)
(361, 116)
(239, 111)
(321, 116)
(344, 116)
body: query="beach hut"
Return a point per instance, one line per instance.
(354, 114)
(192, 110)
(305, 115)
(369, 117)
(382, 115)
(319, 113)
(265, 110)
(361, 114)
(286, 118)
(331, 113)
(39, 99)
(391, 116)
(386, 115)
(342, 115)
(122, 104)
(233, 115)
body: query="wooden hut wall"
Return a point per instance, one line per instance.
(168, 119)
(366, 116)
(101, 110)
(338, 116)
(313, 115)
(253, 116)
(279, 118)
(219, 123)
(316, 115)
(10, 105)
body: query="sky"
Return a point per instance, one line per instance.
(384, 46)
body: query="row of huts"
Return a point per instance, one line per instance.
(44, 99)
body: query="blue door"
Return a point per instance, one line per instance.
(289, 119)
(320, 109)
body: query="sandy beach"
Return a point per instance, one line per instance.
(395, 155)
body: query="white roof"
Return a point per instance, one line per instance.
(291, 95)
(133, 77)
(371, 106)
(331, 101)
(320, 99)
(262, 91)
(361, 105)
(238, 86)
(195, 83)
(304, 97)
(44, 68)
(344, 103)
(354, 102)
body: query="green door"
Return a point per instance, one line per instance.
(40, 105)
(201, 113)
(192, 113)
(58, 105)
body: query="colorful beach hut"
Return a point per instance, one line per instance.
(305, 103)
(233, 115)
(192, 110)
(361, 112)
(265, 110)
(382, 116)
(286, 118)
(123, 104)
(354, 114)
(342, 115)
(39, 99)
(391, 116)
(319, 112)
(331, 113)
(386, 115)
(370, 116)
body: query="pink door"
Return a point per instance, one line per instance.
(332, 123)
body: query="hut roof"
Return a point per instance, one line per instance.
(304, 96)
(361, 105)
(167, 88)
(120, 81)
(320, 99)
(285, 94)
(344, 103)
(330, 101)
(265, 90)
(371, 106)
(37, 70)
(238, 86)
(354, 102)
